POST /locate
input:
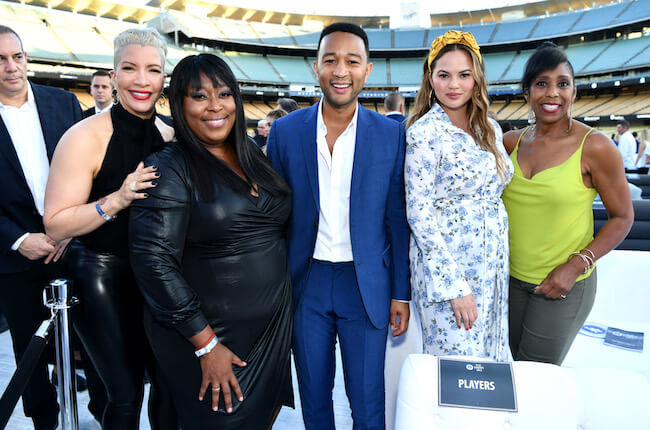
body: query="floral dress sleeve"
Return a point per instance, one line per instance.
(433, 269)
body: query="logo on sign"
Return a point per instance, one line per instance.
(593, 330)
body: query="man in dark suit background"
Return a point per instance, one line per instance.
(394, 106)
(102, 92)
(33, 118)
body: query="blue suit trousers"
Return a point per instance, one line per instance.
(331, 305)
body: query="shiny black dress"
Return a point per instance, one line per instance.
(222, 263)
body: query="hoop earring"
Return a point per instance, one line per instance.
(570, 119)
(531, 116)
(162, 101)
(116, 97)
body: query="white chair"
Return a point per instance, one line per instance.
(622, 301)
(548, 397)
(397, 349)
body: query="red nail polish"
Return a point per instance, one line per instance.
(458, 326)
(467, 328)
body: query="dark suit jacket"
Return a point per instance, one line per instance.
(397, 117)
(57, 110)
(88, 112)
(378, 229)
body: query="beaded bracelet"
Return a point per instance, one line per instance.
(103, 214)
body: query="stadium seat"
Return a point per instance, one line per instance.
(639, 236)
(642, 181)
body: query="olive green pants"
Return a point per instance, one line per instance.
(543, 329)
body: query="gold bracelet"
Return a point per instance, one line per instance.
(588, 265)
(593, 256)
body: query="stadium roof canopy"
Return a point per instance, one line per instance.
(375, 17)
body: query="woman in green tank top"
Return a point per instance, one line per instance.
(560, 165)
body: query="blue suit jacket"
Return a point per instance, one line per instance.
(57, 110)
(378, 228)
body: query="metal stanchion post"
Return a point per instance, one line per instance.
(59, 302)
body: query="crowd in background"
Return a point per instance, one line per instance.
(203, 263)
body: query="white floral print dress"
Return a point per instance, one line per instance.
(459, 236)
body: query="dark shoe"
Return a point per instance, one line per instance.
(82, 385)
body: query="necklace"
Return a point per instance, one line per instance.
(567, 131)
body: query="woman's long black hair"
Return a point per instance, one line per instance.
(203, 165)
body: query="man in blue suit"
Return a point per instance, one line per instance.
(32, 119)
(347, 236)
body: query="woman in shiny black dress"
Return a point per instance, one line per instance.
(96, 173)
(209, 255)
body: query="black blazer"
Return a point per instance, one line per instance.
(89, 112)
(57, 110)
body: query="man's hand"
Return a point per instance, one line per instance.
(36, 246)
(59, 249)
(399, 310)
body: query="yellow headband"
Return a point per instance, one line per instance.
(453, 37)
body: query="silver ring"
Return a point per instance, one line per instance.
(563, 296)
(216, 389)
(133, 185)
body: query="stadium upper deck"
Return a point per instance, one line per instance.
(556, 25)
(608, 44)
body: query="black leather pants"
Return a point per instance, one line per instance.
(109, 323)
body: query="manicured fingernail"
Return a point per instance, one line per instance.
(200, 399)
(145, 195)
(229, 410)
(466, 328)
(154, 167)
(157, 175)
(241, 399)
(458, 326)
(214, 408)
(154, 183)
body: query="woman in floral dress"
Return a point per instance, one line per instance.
(456, 169)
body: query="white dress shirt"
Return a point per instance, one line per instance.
(334, 180)
(24, 127)
(627, 147)
(106, 109)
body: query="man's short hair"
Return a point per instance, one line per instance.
(345, 27)
(392, 101)
(624, 123)
(276, 114)
(100, 73)
(8, 30)
(288, 105)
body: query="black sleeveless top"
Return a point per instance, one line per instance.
(132, 141)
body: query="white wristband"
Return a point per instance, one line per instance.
(209, 347)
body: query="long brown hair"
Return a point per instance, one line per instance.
(477, 106)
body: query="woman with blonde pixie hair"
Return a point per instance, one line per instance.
(455, 171)
(96, 173)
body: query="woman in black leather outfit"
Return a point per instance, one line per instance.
(96, 173)
(209, 254)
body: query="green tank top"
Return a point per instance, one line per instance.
(549, 216)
